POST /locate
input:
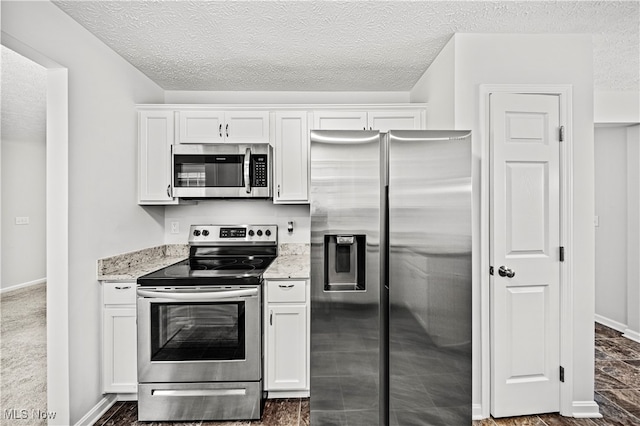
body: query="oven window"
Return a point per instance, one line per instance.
(209, 170)
(197, 331)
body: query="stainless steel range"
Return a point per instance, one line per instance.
(200, 327)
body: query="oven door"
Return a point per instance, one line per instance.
(199, 334)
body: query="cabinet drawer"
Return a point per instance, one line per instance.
(119, 293)
(286, 291)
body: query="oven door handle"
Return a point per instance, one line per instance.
(199, 297)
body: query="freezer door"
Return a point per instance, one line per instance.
(345, 284)
(429, 187)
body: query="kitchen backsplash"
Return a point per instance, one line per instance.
(237, 212)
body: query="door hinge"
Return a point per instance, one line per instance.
(561, 254)
(561, 134)
(490, 270)
(562, 374)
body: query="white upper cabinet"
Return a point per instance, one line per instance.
(339, 120)
(210, 126)
(384, 121)
(154, 157)
(291, 157)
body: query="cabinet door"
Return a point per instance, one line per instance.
(286, 347)
(339, 120)
(201, 126)
(119, 358)
(246, 126)
(384, 121)
(291, 157)
(155, 138)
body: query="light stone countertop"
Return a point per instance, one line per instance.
(289, 266)
(130, 266)
(293, 261)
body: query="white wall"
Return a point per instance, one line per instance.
(232, 212)
(104, 218)
(24, 85)
(532, 59)
(611, 234)
(252, 97)
(633, 233)
(437, 87)
(616, 107)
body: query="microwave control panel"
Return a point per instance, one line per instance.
(260, 170)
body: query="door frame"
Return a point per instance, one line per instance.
(57, 233)
(565, 97)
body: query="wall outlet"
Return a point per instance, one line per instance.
(596, 221)
(175, 227)
(22, 220)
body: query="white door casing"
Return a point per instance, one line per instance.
(525, 238)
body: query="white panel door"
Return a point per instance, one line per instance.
(291, 157)
(246, 126)
(286, 347)
(339, 120)
(384, 121)
(525, 240)
(154, 157)
(119, 369)
(201, 127)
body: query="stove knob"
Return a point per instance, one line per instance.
(267, 233)
(196, 233)
(205, 232)
(259, 232)
(251, 232)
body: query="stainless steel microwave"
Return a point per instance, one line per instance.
(222, 171)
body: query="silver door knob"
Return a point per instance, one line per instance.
(506, 272)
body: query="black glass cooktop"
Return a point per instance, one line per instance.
(210, 271)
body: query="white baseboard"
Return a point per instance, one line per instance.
(631, 334)
(618, 326)
(23, 285)
(586, 409)
(288, 394)
(476, 412)
(98, 410)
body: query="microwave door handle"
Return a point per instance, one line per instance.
(197, 296)
(247, 164)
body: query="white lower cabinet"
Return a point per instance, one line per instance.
(287, 337)
(119, 343)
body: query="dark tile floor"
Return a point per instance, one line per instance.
(617, 393)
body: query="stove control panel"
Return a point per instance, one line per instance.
(211, 234)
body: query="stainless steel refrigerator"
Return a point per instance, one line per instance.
(390, 278)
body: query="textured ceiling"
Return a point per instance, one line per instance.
(23, 91)
(338, 45)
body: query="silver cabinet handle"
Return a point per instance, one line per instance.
(285, 285)
(169, 191)
(220, 129)
(226, 129)
(123, 288)
(506, 272)
(278, 190)
(271, 318)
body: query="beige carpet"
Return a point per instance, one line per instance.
(23, 356)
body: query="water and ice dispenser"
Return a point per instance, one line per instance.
(344, 262)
